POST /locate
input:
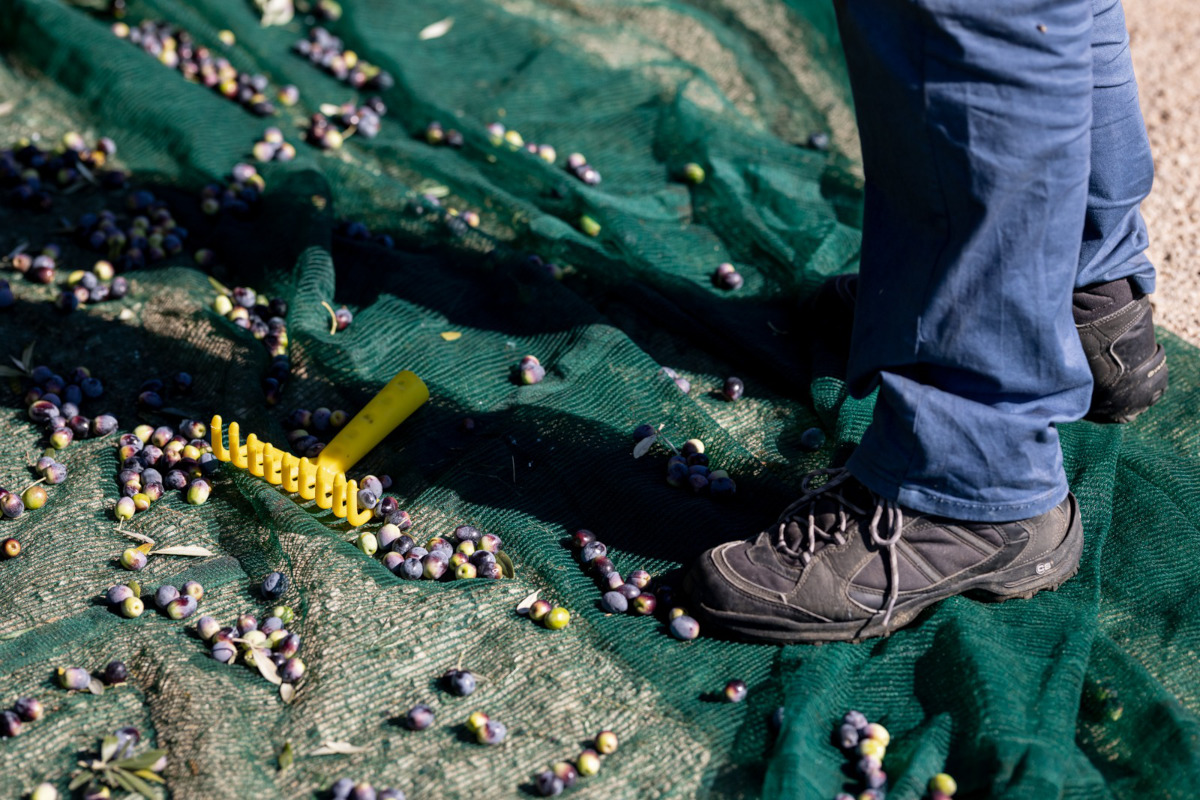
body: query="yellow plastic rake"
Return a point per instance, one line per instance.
(325, 478)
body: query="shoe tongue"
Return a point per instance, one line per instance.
(828, 511)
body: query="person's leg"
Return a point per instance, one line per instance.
(974, 120)
(1112, 314)
(1114, 233)
(1111, 311)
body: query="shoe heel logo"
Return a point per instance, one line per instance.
(1044, 567)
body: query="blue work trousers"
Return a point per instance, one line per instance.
(1005, 159)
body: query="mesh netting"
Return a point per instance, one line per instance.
(1005, 697)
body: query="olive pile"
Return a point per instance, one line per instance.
(175, 48)
(638, 594)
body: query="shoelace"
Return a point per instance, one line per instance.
(804, 510)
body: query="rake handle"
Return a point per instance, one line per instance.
(394, 403)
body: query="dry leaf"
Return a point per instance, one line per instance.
(524, 605)
(181, 550)
(337, 749)
(439, 28)
(95, 686)
(138, 536)
(641, 448)
(451, 336)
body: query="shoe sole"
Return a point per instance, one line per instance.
(1020, 582)
(1150, 376)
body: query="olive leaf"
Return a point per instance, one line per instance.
(506, 565)
(108, 747)
(132, 783)
(220, 287)
(24, 363)
(87, 175)
(123, 781)
(286, 756)
(337, 749)
(133, 774)
(182, 413)
(287, 692)
(642, 447)
(265, 665)
(179, 550)
(95, 686)
(140, 537)
(144, 761)
(524, 606)
(437, 29)
(20, 248)
(275, 12)
(434, 189)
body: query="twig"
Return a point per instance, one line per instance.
(30, 486)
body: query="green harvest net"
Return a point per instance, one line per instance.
(1088, 692)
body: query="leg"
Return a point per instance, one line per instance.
(1112, 314)
(1114, 233)
(1113, 275)
(974, 120)
(975, 130)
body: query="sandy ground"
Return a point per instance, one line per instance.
(1163, 36)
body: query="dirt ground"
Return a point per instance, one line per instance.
(1163, 34)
